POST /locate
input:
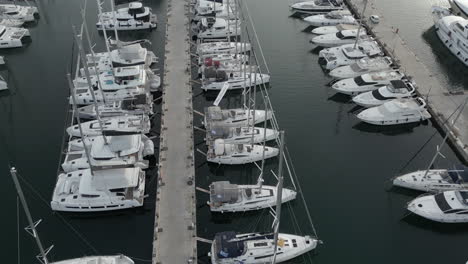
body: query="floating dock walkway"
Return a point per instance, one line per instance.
(174, 239)
(440, 100)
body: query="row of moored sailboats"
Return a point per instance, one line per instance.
(238, 136)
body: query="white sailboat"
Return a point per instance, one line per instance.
(218, 28)
(236, 154)
(120, 125)
(252, 248)
(214, 79)
(139, 105)
(110, 259)
(238, 117)
(241, 135)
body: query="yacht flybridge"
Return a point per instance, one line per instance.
(318, 6)
(444, 207)
(218, 28)
(227, 197)
(120, 125)
(22, 13)
(453, 32)
(362, 66)
(397, 89)
(13, 37)
(331, 19)
(253, 248)
(236, 154)
(113, 152)
(133, 17)
(214, 79)
(331, 58)
(395, 112)
(339, 38)
(333, 29)
(367, 82)
(216, 116)
(99, 190)
(434, 180)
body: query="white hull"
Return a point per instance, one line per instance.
(459, 52)
(433, 182)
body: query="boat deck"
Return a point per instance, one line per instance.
(441, 101)
(175, 220)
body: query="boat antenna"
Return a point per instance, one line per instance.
(77, 116)
(360, 24)
(31, 229)
(88, 79)
(93, 56)
(444, 140)
(279, 196)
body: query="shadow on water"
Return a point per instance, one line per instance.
(340, 98)
(441, 228)
(393, 130)
(451, 67)
(316, 50)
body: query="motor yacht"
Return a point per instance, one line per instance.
(362, 66)
(434, 180)
(236, 154)
(99, 190)
(443, 207)
(453, 32)
(333, 29)
(367, 82)
(318, 6)
(133, 17)
(331, 58)
(113, 152)
(120, 125)
(238, 117)
(330, 19)
(258, 248)
(397, 89)
(395, 112)
(227, 197)
(339, 38)
(241, 135)
(12, 37)
(222, 47)
(22, 13)
(214, 79)
(139, 105)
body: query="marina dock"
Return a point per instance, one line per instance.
(175, 219)
(441, 101)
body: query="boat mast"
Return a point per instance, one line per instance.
(115, 23)
(72, 92)
(260, 179)
(90, 86)
(93, 55)
(279, 196)
(32, 225)
(104, 31)
(439, 148)
(360, 23)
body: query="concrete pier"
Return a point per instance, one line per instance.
(175, 220)
(441, 103)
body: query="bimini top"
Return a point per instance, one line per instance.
(224, 192)
(459, 174)
(227, 246)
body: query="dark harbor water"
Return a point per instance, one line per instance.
(343, 165)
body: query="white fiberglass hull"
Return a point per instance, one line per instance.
(432, 182)
(255, 203)
(245, 157)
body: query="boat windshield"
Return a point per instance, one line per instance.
(356, 68)
(360, 81)
(339, 35)
(462, 196)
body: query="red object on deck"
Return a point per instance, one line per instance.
(208, 62)
(216, 64)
